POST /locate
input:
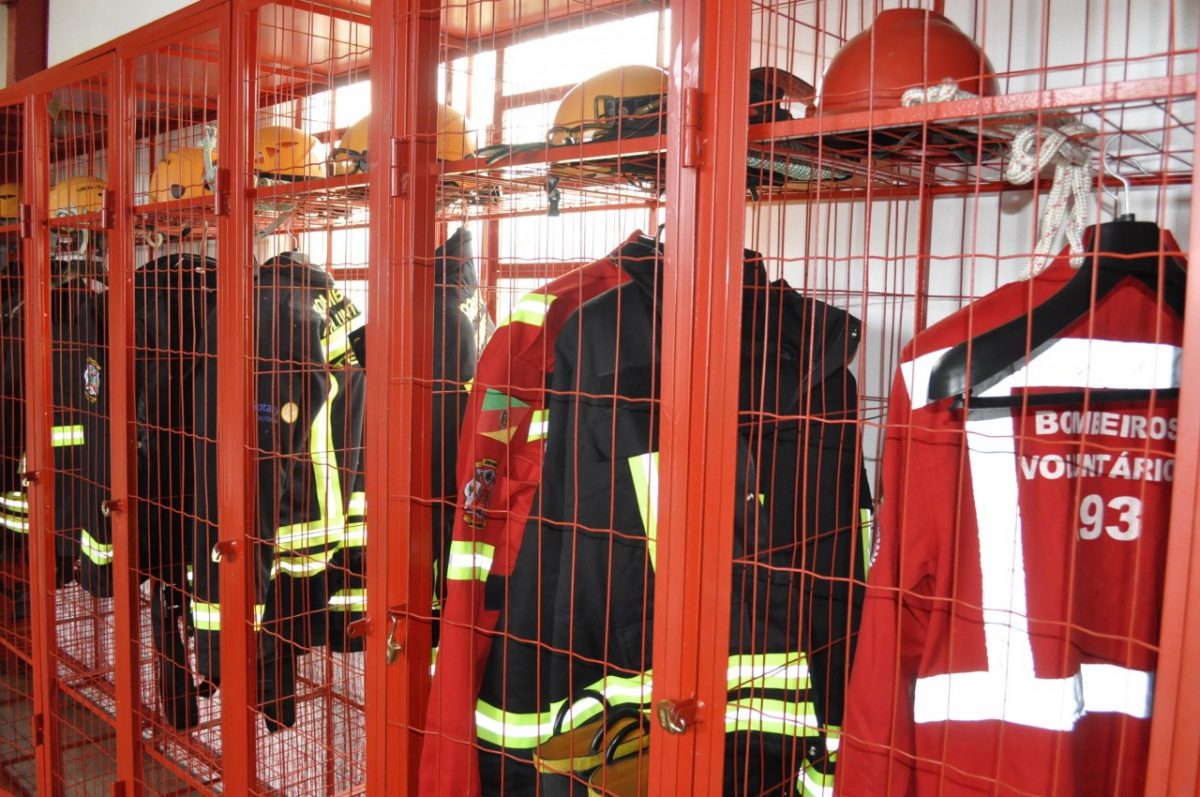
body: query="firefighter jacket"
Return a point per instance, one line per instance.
(172, 298)
(499, 466)
(590, 559)
(308, 403)
(454, 354)
(66, 434)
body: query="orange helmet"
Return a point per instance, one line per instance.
(904, 48)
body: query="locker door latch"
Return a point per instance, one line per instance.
(677, 717)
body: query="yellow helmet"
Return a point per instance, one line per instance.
(180, 175)
(73, 196)
(456, 137)
(625, 101)
(10, 200)
(456, 140)
(285, 153)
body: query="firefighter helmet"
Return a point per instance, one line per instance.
(180, 175)
(10, 200)
(623, 102)
(904, 48)
(285, 153)
(73, 196)
(456, 140)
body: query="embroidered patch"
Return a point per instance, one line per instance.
(91, 381)
(477, 494)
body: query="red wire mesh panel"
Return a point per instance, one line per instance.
(17, 768)
(306, 172)
(992, 648)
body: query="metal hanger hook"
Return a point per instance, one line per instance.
(1108, 167)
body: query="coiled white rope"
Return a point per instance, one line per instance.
(1032, 150)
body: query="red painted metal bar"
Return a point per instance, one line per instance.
(706, 176)
(127, 624)
(399, 570)
(1029, 102)
(1174, 743)
(235, 339)
(38, 420)
(924, 246)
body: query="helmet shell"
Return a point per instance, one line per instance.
(10, 200)
(73, 196)
(598, 104)
(180, 175)
(904, 48)
(286, 153)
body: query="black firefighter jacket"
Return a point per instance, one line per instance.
(590, 562)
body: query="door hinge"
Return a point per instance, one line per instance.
(108, 211)
(25, 220)
(39, 730)
(401, 173)
(689, 157)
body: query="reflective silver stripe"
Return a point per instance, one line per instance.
(207, 616)
(771, 716)
(309, 535)
(539, 425)
(1010, 690)
(349, 600)
(469, 561)
(356, 535)
(15, 500)
(97, 552)
(358, 504)
(529, 309)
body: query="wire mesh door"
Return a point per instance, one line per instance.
(19, 765)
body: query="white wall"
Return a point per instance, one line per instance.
(80, 25)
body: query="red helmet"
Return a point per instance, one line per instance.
(904, 48)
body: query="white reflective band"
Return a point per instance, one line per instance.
(302, 565)
(207, 616)
(349, 600)
(1010, 690)
(814, 783)
(1073, 362)
(469, 561)
(357, 504)
(644, 470)
(530, 309)
(97, 552)
(61, 436)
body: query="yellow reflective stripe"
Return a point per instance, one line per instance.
(358, 504)
(469, 561)
(539, 425)
(15, 523)
(207, 616)
(337, 342)
(529, 309)
(61, 436)
(98, 552)
(780, 717)
(348, 600)
(787, 671)
(307, 535)
(15, 500)
(525, 731)
(833, 739)
(812, 782)
(644, 469)
(356, 535)
(864, 525)
(305, 564)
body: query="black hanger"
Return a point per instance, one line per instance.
(1118, 250)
